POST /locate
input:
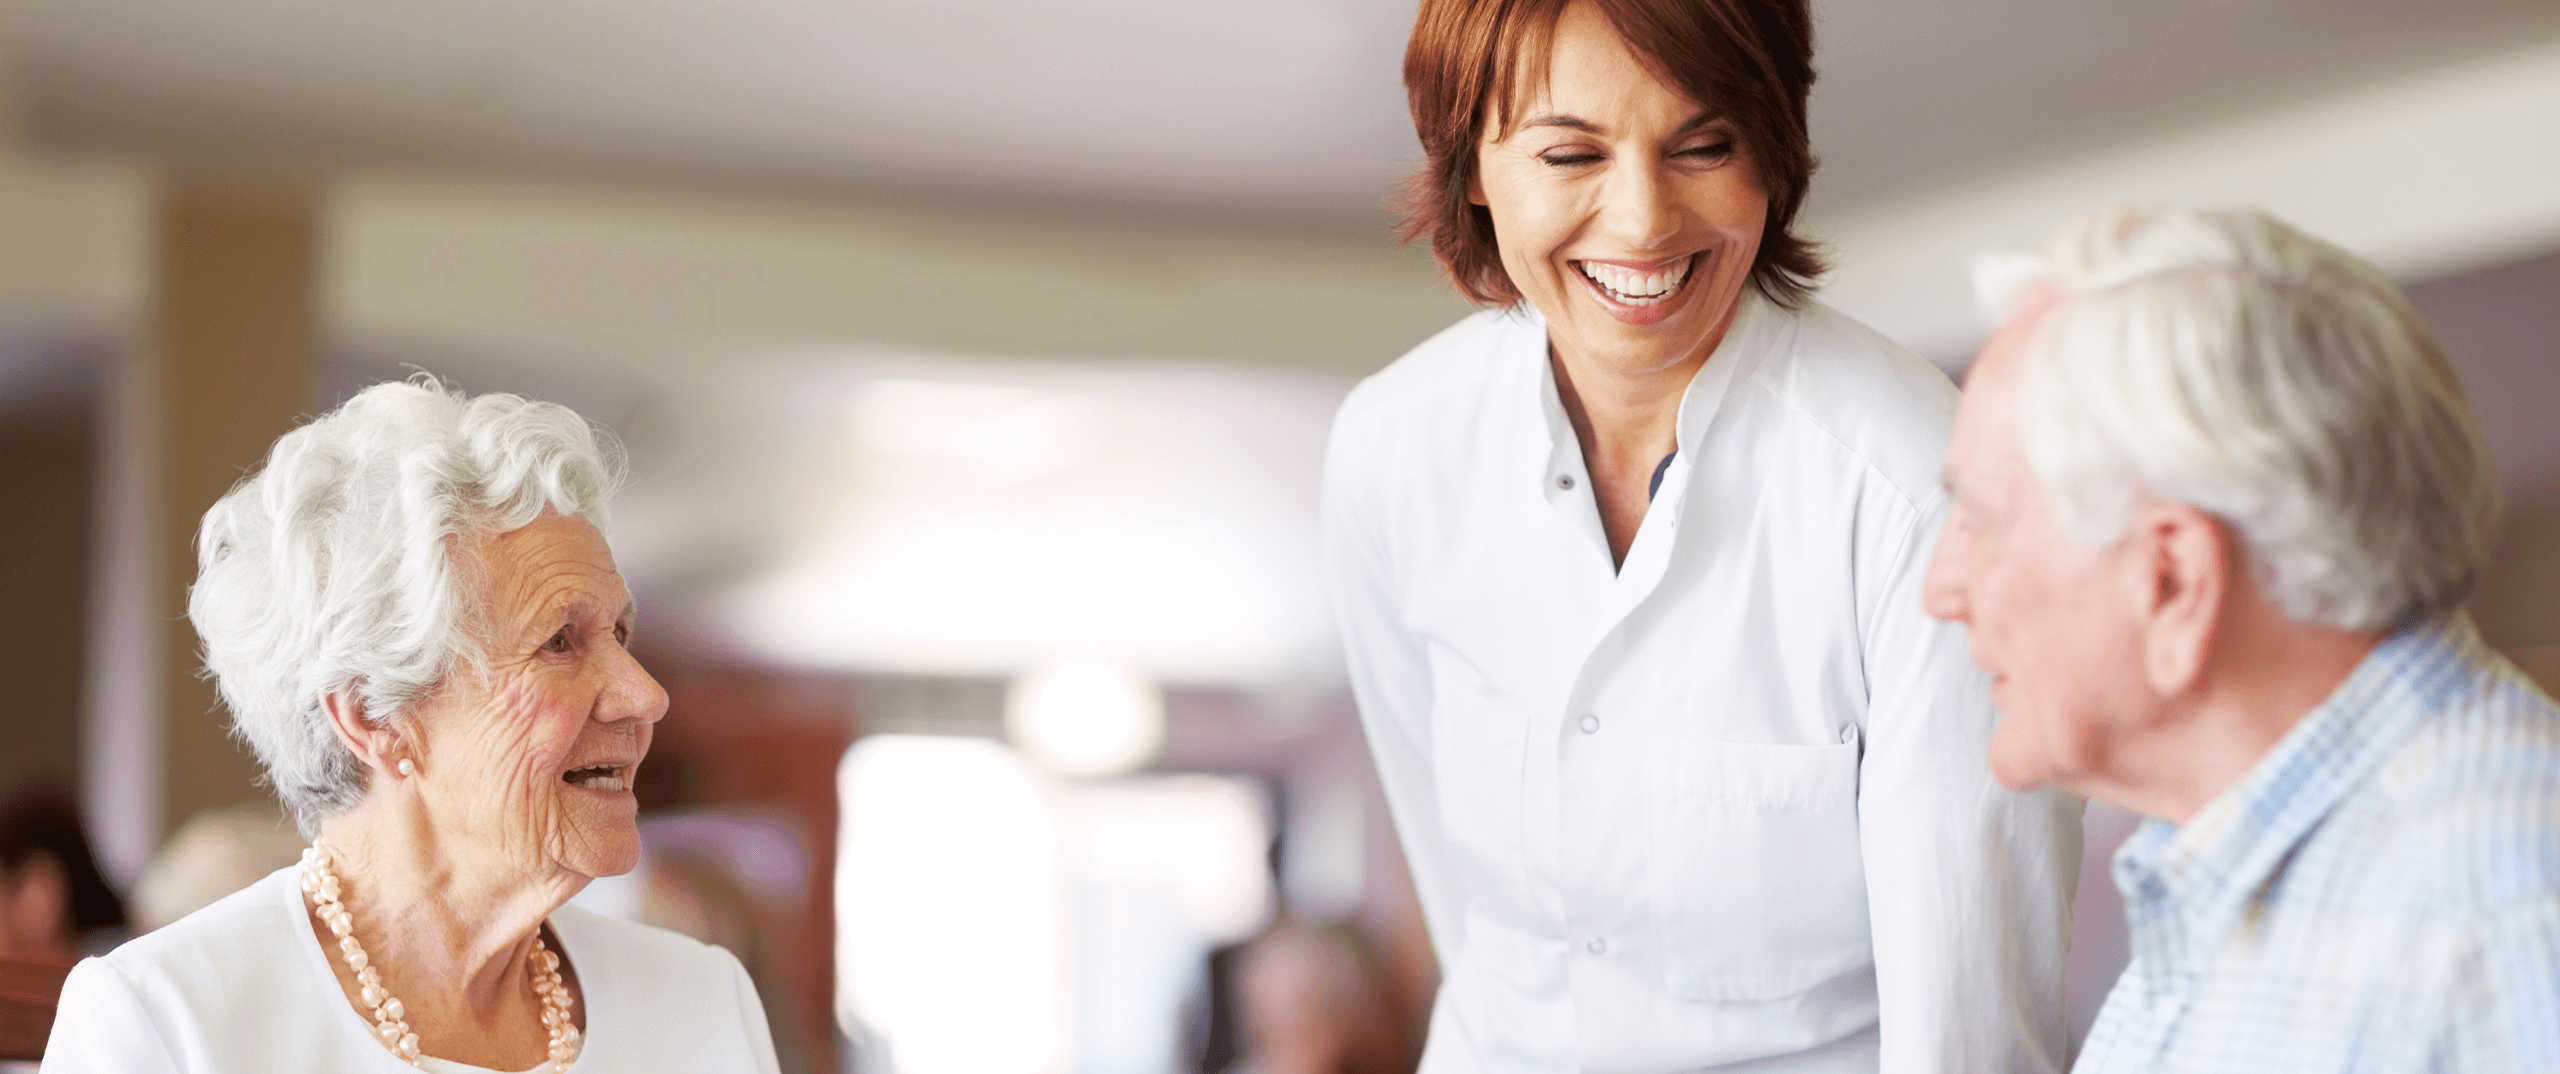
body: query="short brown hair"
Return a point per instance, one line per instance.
(1752, 60)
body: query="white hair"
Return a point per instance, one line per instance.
(2222, 359)
(343, 564)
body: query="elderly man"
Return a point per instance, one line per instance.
(2218, 500)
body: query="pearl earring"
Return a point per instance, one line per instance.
(408, 768)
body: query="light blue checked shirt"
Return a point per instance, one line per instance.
(2380, 893)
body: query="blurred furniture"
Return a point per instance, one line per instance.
(29, 989)
(2541, 663)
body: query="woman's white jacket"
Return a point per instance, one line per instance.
(1728, 802)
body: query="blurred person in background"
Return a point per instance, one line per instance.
(415, 621)
(54, 903)
(1315, 999)
(2219, 499)
(1628, 572)
(215, 853)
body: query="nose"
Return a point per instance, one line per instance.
(1942, 593)
(630, 693)
(1643, 207)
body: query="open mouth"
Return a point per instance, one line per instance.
(603, 777)
(1638, 287)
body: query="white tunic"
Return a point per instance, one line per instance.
(1729, 802)
(242, 987)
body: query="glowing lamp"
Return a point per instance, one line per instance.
(1085, 717)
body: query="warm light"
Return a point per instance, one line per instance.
(1202, 838)
(1086, 718)
(948, 938)
(989, 517)
(998, 434)
(1161, 869)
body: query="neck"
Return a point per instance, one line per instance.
(1628, 415)
(451, 931)
(1625, 421)
(2266, 673)
(1615, 413)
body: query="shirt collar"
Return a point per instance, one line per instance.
(1744, 342)
(2186, 886)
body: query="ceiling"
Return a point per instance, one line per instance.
(1224, 106)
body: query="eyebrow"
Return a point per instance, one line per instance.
(582, 608)
(1573, 122)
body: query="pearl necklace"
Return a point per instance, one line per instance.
(390, 1018)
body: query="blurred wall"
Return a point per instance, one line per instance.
(44, 466)
(226, 368)
(625, 273)
(635, 274)
(2501, 328)
(75, 244)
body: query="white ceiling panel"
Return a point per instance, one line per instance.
(1221, 105)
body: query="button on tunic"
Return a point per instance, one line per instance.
(1789, 846)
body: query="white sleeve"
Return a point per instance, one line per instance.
(102, 1026)
(1390, 679)
(751, 1014)
(1969, 884)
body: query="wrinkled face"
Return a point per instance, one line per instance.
(2049, 617)
(531, 767)
(1628, 214)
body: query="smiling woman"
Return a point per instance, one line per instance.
(1628, 577)
(1470, 66)
(416, 622)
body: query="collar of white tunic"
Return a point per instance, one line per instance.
(433, 1065)
(1561, 474)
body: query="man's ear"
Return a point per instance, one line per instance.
(377, 746)
(2185, 562)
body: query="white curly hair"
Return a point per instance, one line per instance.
(2222, 359)
(343, 564)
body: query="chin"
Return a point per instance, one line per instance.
(1634, 349)
(2015, 762)
(605, 867)
(601, 854)
(2017, 777)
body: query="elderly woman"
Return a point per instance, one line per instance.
(416, 623)
(1628, 570)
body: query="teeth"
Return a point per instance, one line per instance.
(601, 778)
(1637, 288)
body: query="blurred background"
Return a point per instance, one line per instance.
(974, 360)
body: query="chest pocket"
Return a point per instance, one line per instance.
(1757, 886)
